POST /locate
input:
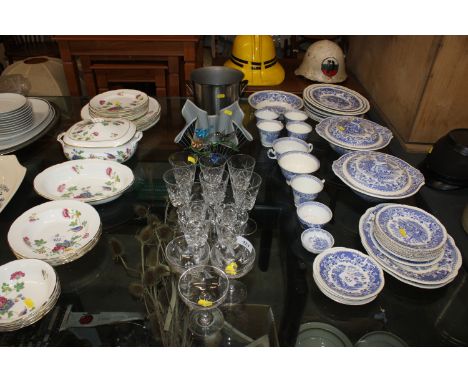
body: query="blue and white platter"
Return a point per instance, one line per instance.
(275, 100)
(354, 133)
(348, 274)
(410, 227)
(335, 99)
(378, 175)
(426, 277)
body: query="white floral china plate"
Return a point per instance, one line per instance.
(348, 273)
(54, 230)
(27, 287)
(11, 177)
(94, 181)
(100, 132)
(120, 103)
(435, 276)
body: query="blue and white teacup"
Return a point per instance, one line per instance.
(286, 144)
(266, 115)
(313, 214)
(300, 130)
(295, 116)
(269, 131)
(317, 240)
(295, 163)
(305, 188)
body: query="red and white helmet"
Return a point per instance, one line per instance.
(324, 61)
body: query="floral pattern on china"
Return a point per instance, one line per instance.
(90, 192)
(57, 244)
(411, 227)
(115, 102)
(436, 275)
(336, 98)
(349, 273)
(275, 100)
(86, 131)
(120, 156)
(3, 189)
(13, 304)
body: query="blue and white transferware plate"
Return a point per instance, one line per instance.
(436, 276)
(336, 99)
(354, 133)
(411, 227)
(275, 100)
(349, 273)
(378, 174)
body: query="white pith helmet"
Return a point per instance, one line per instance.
(324, 61)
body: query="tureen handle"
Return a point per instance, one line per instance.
(311, 146)
(60, 138)
(271, 154)
(138, 136)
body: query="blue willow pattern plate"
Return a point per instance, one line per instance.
(411, 227)
(354, 133)
(336, 98)
(349, 273)
(437, 276)
(277, 101)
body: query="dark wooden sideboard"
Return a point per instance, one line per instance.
(166, 61)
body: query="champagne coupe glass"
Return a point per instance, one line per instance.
(245, 196)
(181, 257)
(240, 168)
(236, 256)
(203, 288)
(184, 164)
(178, 194)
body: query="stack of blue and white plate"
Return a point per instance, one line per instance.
(325, 100)
(348, 276)
(378, 176)
(346, 134)
(410, 244)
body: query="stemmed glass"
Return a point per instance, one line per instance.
(214, 189)
(245, 195)
(184, 164)
(180, 256)
(240, 168)
(179, 194)
(212, 166)
(203, 288)
(236, 256)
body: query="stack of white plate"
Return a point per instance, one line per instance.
(324, 100)
(374, 175)
(412, 245)
(345, 134)
(21, 120)
(130, 104)
(57, 232)
(348, 276)
(30, 289)
(95, 181)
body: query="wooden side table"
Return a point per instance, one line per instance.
(179, 54)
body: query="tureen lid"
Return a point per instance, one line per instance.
(100, 132)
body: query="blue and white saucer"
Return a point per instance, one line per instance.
(436, 276)
(354, 133)
(348, 274)
(335, 99)
(275, 100)
(378, 175)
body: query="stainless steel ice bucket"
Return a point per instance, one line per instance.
(216, 87)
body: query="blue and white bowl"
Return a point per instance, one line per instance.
(305, 188)
(275, 100)
(266, 115)
(313, 214)
(286, 144)
(269, 131)
(295, 163)
(317, 240)
(295, 116)
(299, 130)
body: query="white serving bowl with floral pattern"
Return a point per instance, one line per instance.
(94, 181)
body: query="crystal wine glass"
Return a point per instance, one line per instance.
(178, 194)
(245, 196)
(184, 164)
(240, 168)
(212, 166)
(203, 288)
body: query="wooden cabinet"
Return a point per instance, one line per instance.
(166, 61)
(418, 84)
